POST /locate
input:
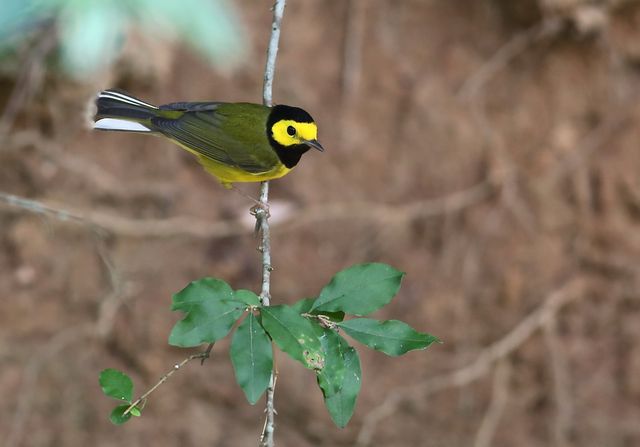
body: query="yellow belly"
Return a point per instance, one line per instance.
(230, 174)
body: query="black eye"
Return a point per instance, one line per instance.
(291, 130)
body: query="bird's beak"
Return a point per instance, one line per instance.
(314, 144)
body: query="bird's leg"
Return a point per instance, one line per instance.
(243, 194)
(258, 204)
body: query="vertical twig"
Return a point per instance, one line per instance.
(262, 213)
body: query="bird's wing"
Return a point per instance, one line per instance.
(233, 138)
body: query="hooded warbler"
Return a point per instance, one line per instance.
(234, 142)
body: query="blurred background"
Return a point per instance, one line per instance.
(488, 148)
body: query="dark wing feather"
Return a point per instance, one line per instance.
(191, 106)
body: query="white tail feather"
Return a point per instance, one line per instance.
(118, 124)
(124, 98)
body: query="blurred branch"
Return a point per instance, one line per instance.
(378, 214)
(36, 207)
(80, 167)
(480, 367)
(499, 398)
(110, 305)
(261, 214)
(506, 53)
(561, 385)
(352, 55)
(98, 329)
(381, 214)
(594, 140)
(28, 79)
(122, 226)
(471, 90)
(50, 350)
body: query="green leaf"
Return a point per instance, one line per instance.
(342, 403)
(118, 417)
(211, 309)
(330, 377)
(304, 307)
(135, 411)
(247, 297)
(294, 334)
(252, 358)
(360, 289)
(116, 384)
(392, 337)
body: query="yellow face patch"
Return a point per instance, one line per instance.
(283, 129)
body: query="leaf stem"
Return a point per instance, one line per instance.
(176, 367)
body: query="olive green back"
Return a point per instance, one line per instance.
(234, 134)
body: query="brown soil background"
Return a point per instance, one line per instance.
(487, 148)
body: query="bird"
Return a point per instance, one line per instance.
(234, 142)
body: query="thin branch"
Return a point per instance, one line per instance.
(478, 368)
(262, 214)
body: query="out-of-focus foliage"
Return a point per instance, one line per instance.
(91, 33)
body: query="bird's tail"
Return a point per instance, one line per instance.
(117, 110)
